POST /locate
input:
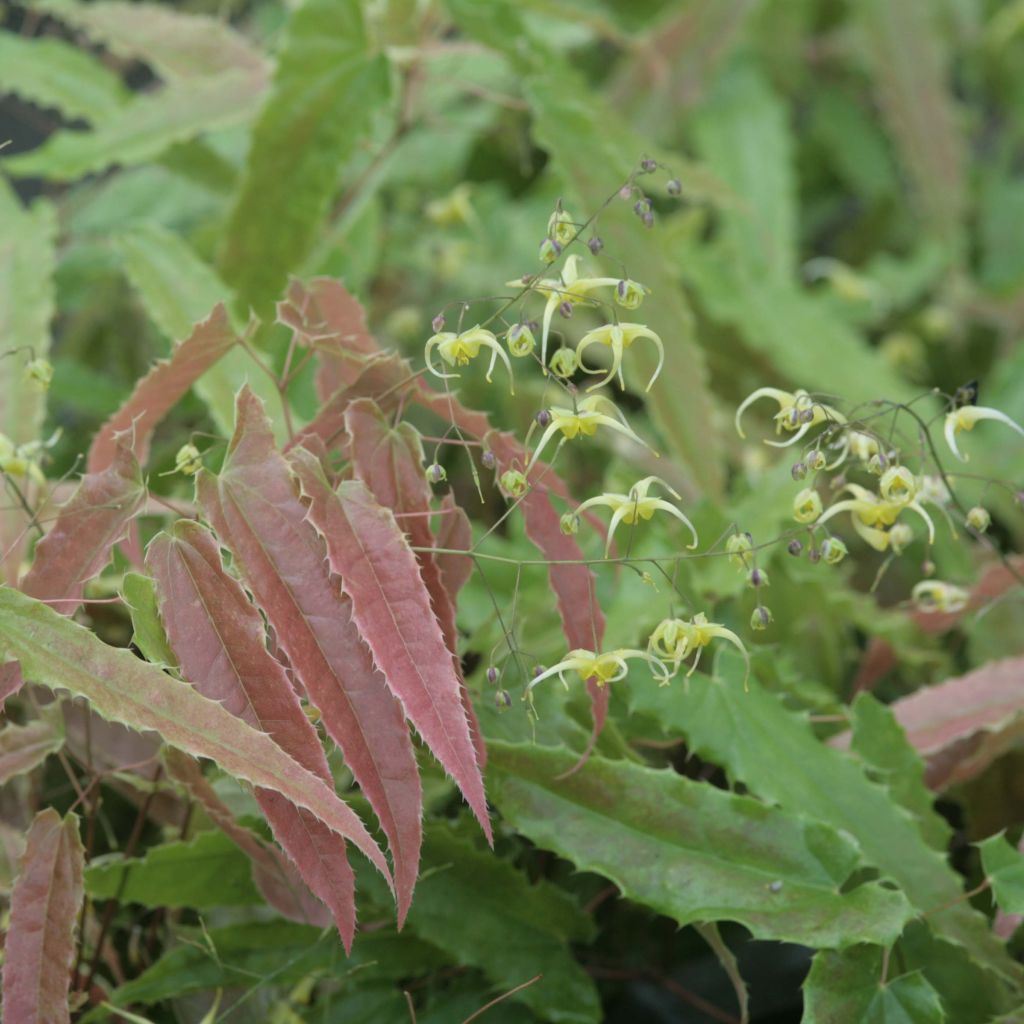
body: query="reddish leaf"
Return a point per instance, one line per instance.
(24, 747)
(89, 524)
(963, 724)
(255, 508)
(162, 388)
(219, 640)
(44, 909)
(58, 653)
(454, 534)
(273, 874)
(390, 462)
(391, 607)
(10, 680)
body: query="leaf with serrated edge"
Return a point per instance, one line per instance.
(79, 544)
(391, 608)
(1004, 868)
(221, 645)
(693, 852)
(62, 655)
(139, 595)
(162, 388)
(44, 911)
(255, 508)
(24, 747)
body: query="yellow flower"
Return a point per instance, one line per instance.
(965, 418)
(602, 668)
(898, 485)
(521, 341)
(674, 640)
(188, 460)
(21, 460)
(635, 506)
(934, 596)
(454, 208)
(798, 413)
(872, 514)
(807, 505)
(619, 337)
(584, 419)
(561, 227)
(739, 547)
(38, 374)
(459, 349)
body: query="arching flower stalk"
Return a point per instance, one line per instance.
(798, 413)
(966, 417)
(635, 506)
(674, 640)
(588, 415)
(460, 349)
(618, 337)
(602, 668)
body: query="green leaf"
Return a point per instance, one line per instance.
(208, 871)
(882, 745)
(142, 129)
(327, 85)
(27, 261)
(693, 852)
(1004, 868)
(743, 135)
(513, 930)
(776, 755)
(272, 953)
(178, 289)
(846, 988)
(53, 73)
(139, 595)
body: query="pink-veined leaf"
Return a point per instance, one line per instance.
(89, 524)
(256, 510)
(162, 388)
(389, 460)
(962, 725)
(58, 653)
(40, 944)
(273, 874)
(218, 637)
(391, 607)
(24, 747)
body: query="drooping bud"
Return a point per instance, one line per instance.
(437, 324)
(492, 675)
(436, 473)
(798, 470)
(488, 459)
(927, 567)
(521, 340)
(757, 578)
(503, 700)
(795, 548)
(648, 165)
(979, 519)
(807, 414)
(543, 418)
(807, 506)
(648, 219)
(739, 547)
(762, 618)
(629, 294)
(833, 551)
(641, 206)
(563, 362)
(595, 245)
(513, 483)
(550, 250)
(569, 523)
(674, 187)
(565, 309)
(188, 460)
(877, 464)
(626, 192)
(816, 460)
(39, 373)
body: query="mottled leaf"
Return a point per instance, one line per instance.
(221, 645)
(326, 86)
(255, 508)
(60, 654)
(44, 911)
(143, 129)
(24, 747)
(391, 608)
(693, 852)
(79, 544)
(847, 986)
(162, 388)
(52, 73)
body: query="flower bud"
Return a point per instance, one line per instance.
(543, 418)
(900, 536)
(739, 547)
(761, 618)
(833, 551)
(565, 309)
(927, 567)
(550, 250)
(648, 219)
(629, 294)
(595, 245)
(436, 473)
(816, 460)
(521, 340)
(807, 506)
(979, 519)
(814, 556)
(641, 206)
(488, 459)
(648, 165)
(561, 228)
(188, 460)
(757, 578)
(563, 362)
(492, 675)
(794, 548)
(626, 192)
(513, 483)
(878, 463)
(798, 471)
(674, 187)
(503, 700)
(437, 324)
(39, 373)
(897, 485)
(807, 414)
(569, 523)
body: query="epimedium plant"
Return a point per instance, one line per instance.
(286, 655)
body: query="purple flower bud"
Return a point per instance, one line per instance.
(492, 675)
(649, 165)
(526, 278)
(621, 289)
(641, 206)
(565, 309)
(438, 323)
(488, 459)
(806, 415)
(538, 670)
(927, 567)
(595, 245)
(648, 219)
(756, 577)
(543, 418)
(626, 192)
(798, 471)
(503, 700)
(795, 547)
(814, 555)
(674, 187)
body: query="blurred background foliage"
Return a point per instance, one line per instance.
(850, 222)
